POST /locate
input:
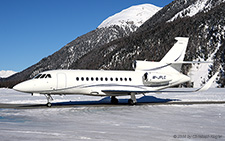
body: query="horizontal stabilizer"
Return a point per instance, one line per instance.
(189, 62)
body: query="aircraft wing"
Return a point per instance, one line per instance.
(209, 83)
(127, 92)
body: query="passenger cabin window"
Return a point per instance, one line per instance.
(92, 78)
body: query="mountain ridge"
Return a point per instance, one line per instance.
(67, 55)
(151, 41)
(206, 38)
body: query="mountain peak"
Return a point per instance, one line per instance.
(7, 73)
(134, 15)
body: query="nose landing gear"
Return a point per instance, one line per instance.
(49, 98)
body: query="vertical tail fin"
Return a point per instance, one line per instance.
(177, 52)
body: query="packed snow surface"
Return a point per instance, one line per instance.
(135, 15)
(111, 122)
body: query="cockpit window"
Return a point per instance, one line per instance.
(48, 76)
(43, 76)
(37, 76)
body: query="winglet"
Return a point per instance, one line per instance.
(208, 84)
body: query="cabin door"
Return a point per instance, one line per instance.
(61, 80)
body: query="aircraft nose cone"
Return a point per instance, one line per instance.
(19, 87)
(22, 87)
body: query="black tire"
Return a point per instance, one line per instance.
(131, 102)
(49, 104)
(114, 100)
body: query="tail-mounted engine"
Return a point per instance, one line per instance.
(156, 79)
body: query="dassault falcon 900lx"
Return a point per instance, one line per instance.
(147, 77)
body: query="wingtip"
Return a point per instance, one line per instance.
(209, 83)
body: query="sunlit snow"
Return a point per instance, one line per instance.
(111, 122)
(7, 73)
(193, 9)
(135, 15)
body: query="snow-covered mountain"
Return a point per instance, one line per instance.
(68, 55)
(116, 46)
(155, 37)
(6, 73)
(200, 72)
(196, 7)
(132, 16)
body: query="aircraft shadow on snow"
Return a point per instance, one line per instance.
(106, 101)
(151, 100)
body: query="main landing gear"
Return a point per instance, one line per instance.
(114, 100)
(131, 101)
(49, 98)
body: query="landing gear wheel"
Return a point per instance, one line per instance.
(114, 100)
(49, 104)
(49, 98)
(131, 102)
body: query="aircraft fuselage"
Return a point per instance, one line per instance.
(96, 82)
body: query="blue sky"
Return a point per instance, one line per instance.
(33, 29)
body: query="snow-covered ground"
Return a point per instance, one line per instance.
(9, 96)
(110, 122)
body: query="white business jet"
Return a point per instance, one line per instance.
(147, 77)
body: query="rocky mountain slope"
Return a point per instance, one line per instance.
(156, 36)
(105, 33)
(202, 21)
